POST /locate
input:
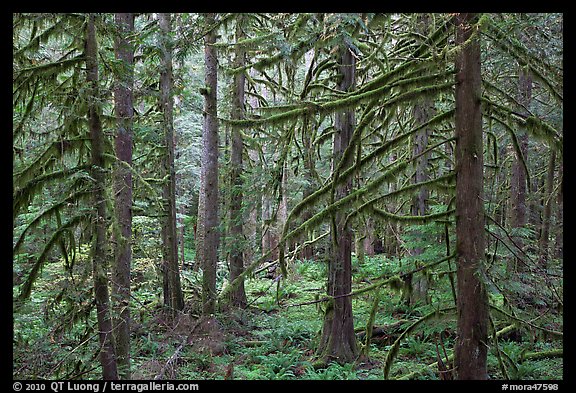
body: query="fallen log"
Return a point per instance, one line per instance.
(170, 362)
(553, 353)
(382, 331)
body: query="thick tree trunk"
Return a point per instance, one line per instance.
(471, 345)
(238, 295)
(209, 191)
(123, 191)
(173, 297)
(338, 341)
(99, 267)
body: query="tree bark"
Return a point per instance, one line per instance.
(518, 185)
(123, 107)
(307, 252)
(338, 342)
(559, 245)
(99, 267)
(173, 297)
(423, 111)
(548, 202)
(238, 295)
(209, 191)
(471, 344)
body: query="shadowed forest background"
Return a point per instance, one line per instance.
(287, 196)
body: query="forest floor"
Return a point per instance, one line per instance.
(275, 337)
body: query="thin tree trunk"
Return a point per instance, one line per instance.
(209, 191)
(307, 252)
(238, 295)
(549, 200)
(99, 267)
(423, 111)
(369, 239)
(123, 191)
(173, 297)
(518, 185)
(471, 344)
(338, 341)
(559, 245)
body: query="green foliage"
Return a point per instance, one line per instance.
(334, 371)
(291, 101)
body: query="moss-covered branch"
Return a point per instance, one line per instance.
(37, 267)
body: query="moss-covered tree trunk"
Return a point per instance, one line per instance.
(471, 345)
(338, 342)
(97, 172)
(238, 295)
(123, 108)
(173, 297)
(209, 191)
(307, 252)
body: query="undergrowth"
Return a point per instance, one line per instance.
(274, 338)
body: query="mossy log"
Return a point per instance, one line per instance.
(390, 331)
(553, 353)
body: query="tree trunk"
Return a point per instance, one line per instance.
(338, 341)
(123, 191)
(518, 185)
(423, 111)
(238, 295)
(251, 226)
(369, 239)
(549, 200)
(99, 267)
(307, 252)
(209, 191)
(471, 344)
(559, 246)
(173, 297)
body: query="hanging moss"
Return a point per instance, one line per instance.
(411, 219)
(440, 182)
(534, 125)
(47, 213)
(24, 194)
(348, 102)
(39, 264)
(396, 167)
(537, 65)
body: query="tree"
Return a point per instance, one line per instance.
(470, 348)
(173, 297)
(238, 295)
(338, 341)
(123, 107)
(99, 267)
(209, 187)
(423, 111)
(543, 243)
(518, 180)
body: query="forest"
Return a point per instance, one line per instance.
(287, 196)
